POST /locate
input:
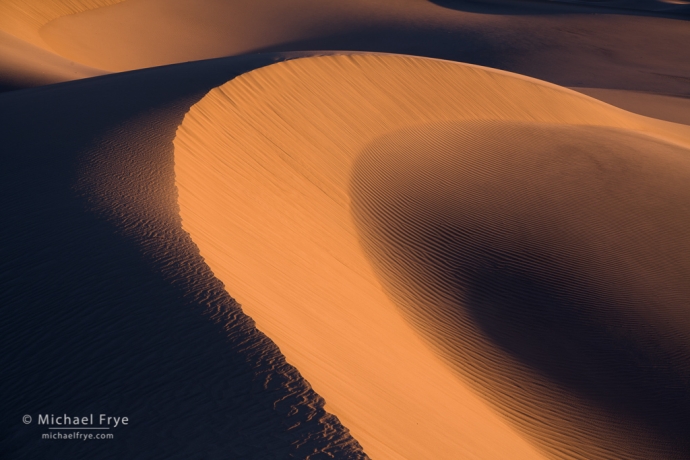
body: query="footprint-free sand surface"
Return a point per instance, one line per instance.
(371, 229)
(376, 213)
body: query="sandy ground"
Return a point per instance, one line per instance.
(272, 166)
(107, 305)
(256, 248)
(24, 65)
(661, 106)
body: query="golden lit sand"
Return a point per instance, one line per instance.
(25, 58)
(661, 106)
(553, 42)
(464, 263)
(25, 19)
(23, 64)
(107, 305)
(264, 167)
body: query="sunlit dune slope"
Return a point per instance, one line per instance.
(106, 305)
(25, 58)
(145, 33)
(465, 263)
(25, 19)
(661, 106)
(563, 44)
(24, 65)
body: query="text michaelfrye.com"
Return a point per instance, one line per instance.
(84, 428)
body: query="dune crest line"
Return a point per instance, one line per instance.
(266, 171)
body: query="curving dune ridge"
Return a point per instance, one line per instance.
(434, 260)
(464, 263)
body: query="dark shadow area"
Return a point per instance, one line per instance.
(625, 52)
(653, 8)
(528, 276)
(549, 315)
(106, 306)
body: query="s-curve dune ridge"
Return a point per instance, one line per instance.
(464, 262)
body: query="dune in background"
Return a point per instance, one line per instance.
(369, 214)
(660, 106)
(592, 44)
(25, 20)
(26, 59)
(24, 65)
(563, 44)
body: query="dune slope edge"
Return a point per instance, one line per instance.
(264, 165)
(107, 306)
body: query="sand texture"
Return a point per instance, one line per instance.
(24, 65)
(357, 204)
(318, 230)
(26, 60)
(107, 305)
(564, 43)
(661, 106)
(25, 19)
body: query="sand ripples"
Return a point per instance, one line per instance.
(541, 263)
(433, 244)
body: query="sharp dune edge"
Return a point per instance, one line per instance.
(370, 214)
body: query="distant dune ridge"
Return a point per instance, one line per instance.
(533, 237)
(564, 43)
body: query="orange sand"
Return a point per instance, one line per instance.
(464, 262)
(264, 167)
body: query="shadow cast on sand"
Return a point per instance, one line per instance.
(655, 8)
(535, 262)
(107, 306)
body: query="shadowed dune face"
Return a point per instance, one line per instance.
(445, 175)
(106, 305)
(678, 8)
(543, 40)
(548, 265)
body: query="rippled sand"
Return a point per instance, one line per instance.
(267, 230)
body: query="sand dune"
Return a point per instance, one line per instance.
(25, 20)
(371, 214)
(107, 306)
(434, 260)
(563, 44)
(661, 106)
(26, 60)
(24, 65)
